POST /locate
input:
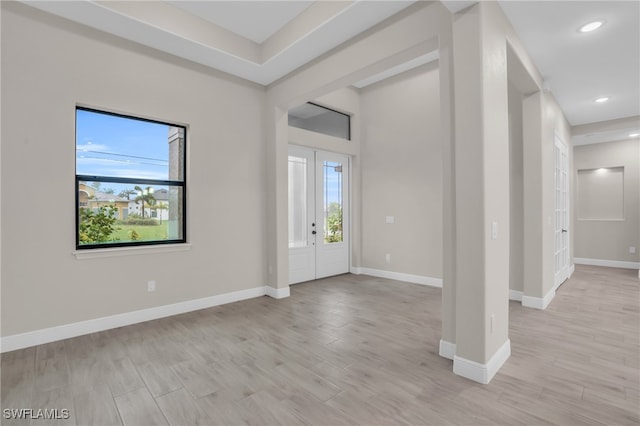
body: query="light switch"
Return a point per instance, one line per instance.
(494, 230)
(391, 219)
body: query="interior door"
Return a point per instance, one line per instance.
(318, 214)
(562, 231)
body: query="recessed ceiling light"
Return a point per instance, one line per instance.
(591, 26)
(602, 99)
(634, 135)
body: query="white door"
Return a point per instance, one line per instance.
(318, 214)
(561, 161)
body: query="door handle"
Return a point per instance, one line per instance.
(564, 230)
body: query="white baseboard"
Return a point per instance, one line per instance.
(66, 331)
(398, 276)
(482, 373)
(516, 295)
(572, 269)
(447, 349)
(539, 302)
(608, 263)
(277, 293)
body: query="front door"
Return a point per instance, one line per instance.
(318, 214)
(561, 161)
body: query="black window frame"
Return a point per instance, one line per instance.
(109, 179)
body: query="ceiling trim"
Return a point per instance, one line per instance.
(317, 30)
(605, 131)
(399, 69)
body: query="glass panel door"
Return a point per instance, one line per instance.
(302, 255)
(318, 214)
(298, 211)
(332, 207)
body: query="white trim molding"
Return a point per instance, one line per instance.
(539, 302)
(398, 276)
(130, 251)
(277, 293)
(607, 263)
(572, 269)
(516, 295)
(447, 349)
(66, 331)
(482, 373)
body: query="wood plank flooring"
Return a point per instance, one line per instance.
(347, 350)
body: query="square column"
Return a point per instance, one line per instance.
(481, 192)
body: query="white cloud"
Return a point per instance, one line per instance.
(92, 147)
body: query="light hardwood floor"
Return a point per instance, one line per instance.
(344, 351)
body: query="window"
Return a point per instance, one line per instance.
(319, 119)
(298, 214)
(333, 202)
(130, 181)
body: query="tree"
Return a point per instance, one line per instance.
(97, 227)
(109, 191)
(127, 193)
(145, 196)
(96, 185)
(334, 223)
(160, 206)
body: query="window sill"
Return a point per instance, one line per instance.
(129, 251)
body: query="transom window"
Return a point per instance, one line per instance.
(320, 119)
(130, 181)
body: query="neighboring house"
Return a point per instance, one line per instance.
(160, 210)
(91, 198)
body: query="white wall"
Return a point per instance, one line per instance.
(402, 174)
(48, 66)
(516, 191)
(610, 239)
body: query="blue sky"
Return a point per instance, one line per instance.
(108, 145)
(332, 183)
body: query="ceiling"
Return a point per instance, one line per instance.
(263, 41)
(260, 41)
(581, 67)
(255, 20)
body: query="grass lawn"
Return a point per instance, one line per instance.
(145, 232)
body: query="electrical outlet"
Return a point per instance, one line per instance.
(151, 286)
(387, 257)
(632, 250)
(493, 320)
